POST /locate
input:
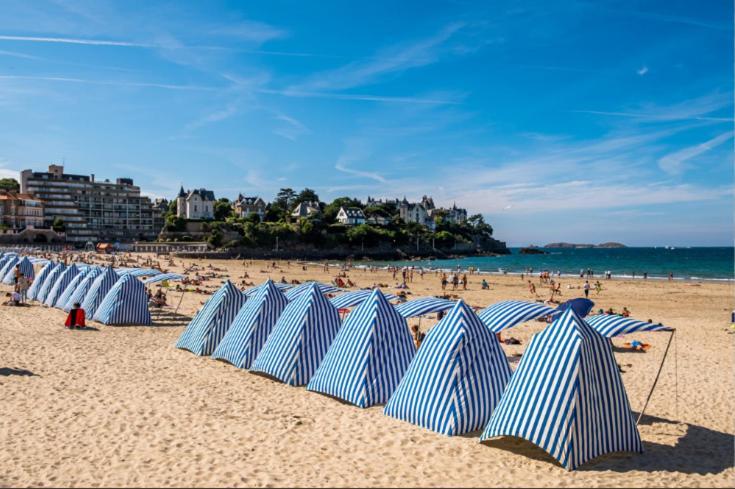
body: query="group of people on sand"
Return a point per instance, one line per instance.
(456, 281)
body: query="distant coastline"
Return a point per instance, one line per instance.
(609, 244)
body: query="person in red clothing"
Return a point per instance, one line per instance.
(75, 319)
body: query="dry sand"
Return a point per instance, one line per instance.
(121, 406)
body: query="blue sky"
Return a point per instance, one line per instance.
(581, 121)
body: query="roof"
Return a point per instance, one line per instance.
(305, 209)
(204, 194)
(242, 200)
(352, 212)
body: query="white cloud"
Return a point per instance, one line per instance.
(674, 163)
(72, 40)
(642, 70)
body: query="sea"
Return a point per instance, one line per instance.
(695, 263)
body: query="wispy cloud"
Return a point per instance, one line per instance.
(392, 60)
(642, 70)
(675, 163)
(291, 128)
(118, 83)
(72, 40)
(697, 108)
(360, 97)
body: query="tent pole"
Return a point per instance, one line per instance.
(180, 299)
(655, 381)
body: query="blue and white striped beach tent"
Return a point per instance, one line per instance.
(254, 290)
(82, 287)
(6, 258)
(567, 396)
(294, 293)
(456, 378)
(611, 325)
(125, 303)
(98, 290)
(507, 314)
(252, 326)
(355, 297)
(424, 305)
(369, 355)
(162, 277)
(26, 268)
(299, 339)
(210, 324)
(37, 283)
(60, 285)
(48, 284)
(63, 298)
(9, 267)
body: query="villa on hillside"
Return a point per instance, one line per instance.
(306, 209)
(195, 204)
(246, 206)
(351, 216)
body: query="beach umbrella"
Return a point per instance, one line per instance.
(65, 278)
(252, 326)
(581, 307)
(424, 305)
(295, 292)
(611, 325)
(355, 297)
(369, 355)
(210, 324)
(98, 290)
(299, 339)
(567, 396)
(125, 303)
(456, 378)
(506, 314)
(49, 282)
(82, 288)
(40, 279)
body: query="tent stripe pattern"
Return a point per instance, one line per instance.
(39, 280)
(98, 290)
(26, 268)
(60, 285)
(162, 277)
(254, 290)
(49, 282)
(294, 293)
(355, 298)
(69, 289)
(507, 314)
(9, 269)
(424, 305)
(369, 355)
(456, 378)
(567, 396)
(210, 324)
(82, 288)
(252, 326)
(299, 339)
(611, 325)
(125, 303)
(6, 258)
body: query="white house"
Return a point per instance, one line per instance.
(245, 206)
(306, 209)
(195, 204)
(351, 216)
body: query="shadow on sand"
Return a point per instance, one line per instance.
(7, 372)
(164, 318)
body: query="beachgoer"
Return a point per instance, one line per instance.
(485, 285)
(586, 288)
(75, 319)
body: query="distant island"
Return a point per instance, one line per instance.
(610, 244)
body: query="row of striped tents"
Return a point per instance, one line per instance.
(69, 290)
(252, 326)
(60, 285)
(423, 305)
(210, 324)
(567, 396)
(98, 290)
(9, 268)
(295, 292)
(82, 287)
(456, 378)
(611, 325)
(300, 338)
(41, 277)
(369, 355)
(125, 303)
(507, 314)
(48, 284)
(26, 268)
(355, 297)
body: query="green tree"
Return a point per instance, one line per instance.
(222, 209)
(332, 209)
(9, 184)
(58, 225)
(306, 195)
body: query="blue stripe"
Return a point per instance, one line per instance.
(508, 314)
(354, 298)
(611, 325)
(424, 305)
(567, 396)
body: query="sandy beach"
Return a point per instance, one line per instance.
(120, 406)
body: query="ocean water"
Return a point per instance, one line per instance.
(685, 263)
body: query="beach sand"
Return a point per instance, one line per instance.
(121, 406)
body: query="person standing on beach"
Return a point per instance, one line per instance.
(464, 281)
(586, 288)
(532, 288)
